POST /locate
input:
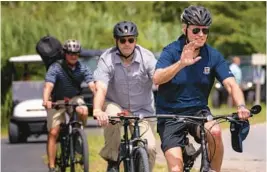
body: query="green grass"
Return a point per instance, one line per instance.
(4, 132)
(97, 164)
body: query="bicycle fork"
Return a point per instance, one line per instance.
(126, 150)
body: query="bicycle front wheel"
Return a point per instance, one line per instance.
(140, 160)
(60, 158)
(80, 149)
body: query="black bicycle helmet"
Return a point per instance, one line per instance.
(72, 46)
(125, 28)
(196, 15)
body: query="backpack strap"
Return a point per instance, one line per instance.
(70, 75)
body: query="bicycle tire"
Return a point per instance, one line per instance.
(140, 159)
(59, 161)
(80, 147)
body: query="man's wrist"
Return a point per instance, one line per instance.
(241, 106)
(181, 64)
(96, 110)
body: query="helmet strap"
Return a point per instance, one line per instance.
(120, 54)
(187, 40)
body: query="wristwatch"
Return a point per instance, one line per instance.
(240, 106)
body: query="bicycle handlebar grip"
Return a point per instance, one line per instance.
(253, 111)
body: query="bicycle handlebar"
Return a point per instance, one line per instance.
(69, 104)
(234, 116)
(121, 116)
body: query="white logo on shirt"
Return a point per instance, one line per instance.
(206, 70)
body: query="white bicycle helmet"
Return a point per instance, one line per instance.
(72, 46)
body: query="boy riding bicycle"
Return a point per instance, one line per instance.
(58, 82)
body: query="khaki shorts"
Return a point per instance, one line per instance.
(57, 116)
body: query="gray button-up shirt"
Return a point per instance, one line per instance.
(128, 86)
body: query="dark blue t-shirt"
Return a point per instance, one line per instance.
(63, 86)
(188, 91)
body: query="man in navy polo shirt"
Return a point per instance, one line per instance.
(185, 73)
(57, 80)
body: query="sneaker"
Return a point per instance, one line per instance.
(52, 170)
(112, 166)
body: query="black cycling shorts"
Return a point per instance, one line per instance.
(173, 133)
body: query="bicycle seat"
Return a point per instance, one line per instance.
(239, 131)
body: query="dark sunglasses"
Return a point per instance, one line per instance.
(197, 30)
(73, 54)
(123, 40)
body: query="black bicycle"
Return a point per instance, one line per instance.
(132, 151)
(189, 152)
(72, 146)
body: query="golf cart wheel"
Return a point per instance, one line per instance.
(13, 133)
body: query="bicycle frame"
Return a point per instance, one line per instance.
(127, 145)
(66, 137)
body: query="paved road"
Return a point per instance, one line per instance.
(23, 157)
(28, 157)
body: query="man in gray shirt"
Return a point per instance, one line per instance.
(124, 82)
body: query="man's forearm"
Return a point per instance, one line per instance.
(237, 95)
(48, 87)
(162, 76)
(100, 94)
(99, 99)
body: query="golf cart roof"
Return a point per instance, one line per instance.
(26, 58)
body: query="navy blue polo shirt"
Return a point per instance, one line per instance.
(188, 91)
(63, 86)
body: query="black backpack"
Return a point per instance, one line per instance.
(50, 50)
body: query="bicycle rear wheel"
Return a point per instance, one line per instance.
(80, 149)
(140, 159)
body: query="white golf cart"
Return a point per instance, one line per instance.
(29, 116)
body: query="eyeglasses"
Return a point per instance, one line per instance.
(123, 40)
(197, 30)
